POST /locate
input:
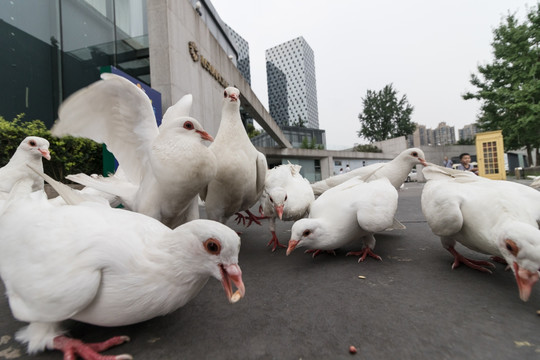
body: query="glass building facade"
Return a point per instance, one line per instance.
(297, 136)
(243, 54)
(52, 48)
(292, 88)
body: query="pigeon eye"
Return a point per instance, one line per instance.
(512, 247)
(213, 246)
(306, 233)
(415, 154)
(188, 125)
(32, 143)
(272, 200)
(225, 94)
(285, 198)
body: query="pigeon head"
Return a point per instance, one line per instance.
(186, 125)
(232, 95)
(413, 156)
(216, 249)
(277, 197)
(35, 147)
(306, 232)
(191, 125)
(520, 247)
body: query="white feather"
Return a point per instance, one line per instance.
(102, 266)
(396, 171)
(161, 170)
(30, 151)
(241, 169)
(348, 212)
(483, 215)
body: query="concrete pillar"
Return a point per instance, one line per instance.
(327, 167)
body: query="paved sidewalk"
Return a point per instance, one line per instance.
(412, 305)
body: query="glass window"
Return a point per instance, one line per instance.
(30, 40)
(56, 47)
(88, 41)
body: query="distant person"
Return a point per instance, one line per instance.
(347, 168)
(447, 162)
(341, 171)
(465, 163)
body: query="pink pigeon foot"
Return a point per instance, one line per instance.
(274, 242)
(74, 347)
(474, 264)
(240, 218)
(252, 218)
(316, 252)
(499, 259)
(363, 254)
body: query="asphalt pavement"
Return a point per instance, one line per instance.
(411, 305)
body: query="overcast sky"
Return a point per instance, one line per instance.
(426, 48)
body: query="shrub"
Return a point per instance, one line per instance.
(69, 155)
(367, 148)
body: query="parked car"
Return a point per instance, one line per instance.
(413, 176)
(473, 164)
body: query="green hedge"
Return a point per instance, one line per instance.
(69, 155)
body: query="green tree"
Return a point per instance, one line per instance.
(307, 144)
(252, 131)
(509, 86)
(465, 142)
(300, 122)
(367, 148)
(385, 116)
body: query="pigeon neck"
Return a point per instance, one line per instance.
(231, 122)
(22, 157)
(396, 171)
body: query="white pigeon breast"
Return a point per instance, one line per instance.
(241, 169)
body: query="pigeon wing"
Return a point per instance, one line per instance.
(116, 112)
(262, 167)
(441, 206)
(376, 209)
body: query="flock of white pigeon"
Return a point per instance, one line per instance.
(119, 266)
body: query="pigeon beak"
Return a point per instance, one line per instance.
(279, 211)
(423, 162)
(525, 280)
(232, 273)
(205, 135)
(292, 246)
(45, 153)
(233, 97)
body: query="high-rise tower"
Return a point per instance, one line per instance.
(292, 88)
(243, 54)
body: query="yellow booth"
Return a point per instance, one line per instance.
(490, 155)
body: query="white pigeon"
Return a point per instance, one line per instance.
(348, 212)
(30, 151)
(241, 169)
(498, 218)
(287, 195)
(396, 171)
(161, 170)
(106, 267)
